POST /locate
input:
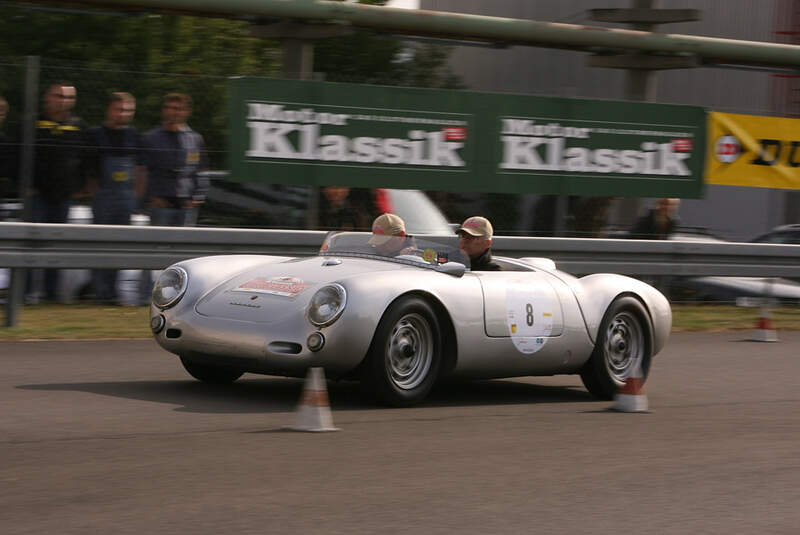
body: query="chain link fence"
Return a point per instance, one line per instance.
(229, 204)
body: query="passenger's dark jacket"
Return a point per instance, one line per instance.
(484, 262)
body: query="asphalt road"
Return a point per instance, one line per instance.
(114, 437)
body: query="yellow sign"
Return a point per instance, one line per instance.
(750, 150)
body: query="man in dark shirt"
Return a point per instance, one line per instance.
(7, 156)
(176, 155)
(659, 222)
(116, 177)
(57, 172)
(476, 242)
(343, 208)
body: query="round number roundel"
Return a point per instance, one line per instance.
(529, 316)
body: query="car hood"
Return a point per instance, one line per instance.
(271, 292)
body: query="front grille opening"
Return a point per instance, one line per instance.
(173, 333)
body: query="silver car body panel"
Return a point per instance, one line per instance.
(532, 321)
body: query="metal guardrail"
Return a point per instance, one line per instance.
(37, 245)
(41, 245)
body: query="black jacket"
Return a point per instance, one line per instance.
(57, 170)
(484, 262)
(648, 227)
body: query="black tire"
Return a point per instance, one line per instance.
(625, 335)
(406, 353)
(209, 373)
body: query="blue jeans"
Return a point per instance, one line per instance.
(110, 208)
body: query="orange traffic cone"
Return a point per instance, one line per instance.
(630, 396)
(765, 330)
(314, 410)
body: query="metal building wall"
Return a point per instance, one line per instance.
(733, 213)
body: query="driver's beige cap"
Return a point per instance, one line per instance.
(385, 227)
(477, 226)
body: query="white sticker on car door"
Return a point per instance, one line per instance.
(529, 316)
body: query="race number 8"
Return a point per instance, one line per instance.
(529, 314)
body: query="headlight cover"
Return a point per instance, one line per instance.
(170, 287)
(327, 305)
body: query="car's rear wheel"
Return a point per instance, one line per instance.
(209, 373)
(625, 340)
(405, 354)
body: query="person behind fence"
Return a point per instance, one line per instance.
(659, 222)
(342, 208)
(7, 156)
(176, 156)
(115, 177)
(57, 168)
(476, 242)
(175, 186)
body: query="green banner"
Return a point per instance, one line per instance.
(318, 133)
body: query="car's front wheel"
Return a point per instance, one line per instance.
(405, 354)
(209, 373)
(624, 341)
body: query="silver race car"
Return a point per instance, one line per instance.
(400, 323)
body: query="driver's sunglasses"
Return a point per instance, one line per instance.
(468, 237)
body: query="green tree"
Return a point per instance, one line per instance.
(148, 55)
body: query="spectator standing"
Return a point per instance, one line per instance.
(116, 177)
(176, 155)
(7, 152)
(57, 171)
(590, 217)
(659, 221)
(340, 209)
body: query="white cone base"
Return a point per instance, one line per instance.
(630, 403)
(764, 335)
(313, 419)
(314, 409)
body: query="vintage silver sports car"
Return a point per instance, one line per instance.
(400, 323)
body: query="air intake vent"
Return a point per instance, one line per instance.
(173, 333)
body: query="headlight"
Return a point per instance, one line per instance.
(327, 305)
(170, 287)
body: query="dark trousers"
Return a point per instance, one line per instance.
(44, 211)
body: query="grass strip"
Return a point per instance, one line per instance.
(84, 322)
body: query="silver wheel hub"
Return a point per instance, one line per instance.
(409, 351)
(624, 345)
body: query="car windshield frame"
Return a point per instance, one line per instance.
(422, 252)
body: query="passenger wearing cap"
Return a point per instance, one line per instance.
(389, 236)
(476, 242)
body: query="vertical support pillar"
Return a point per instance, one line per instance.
(298, 63)
(16, 286)
(639, 85)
